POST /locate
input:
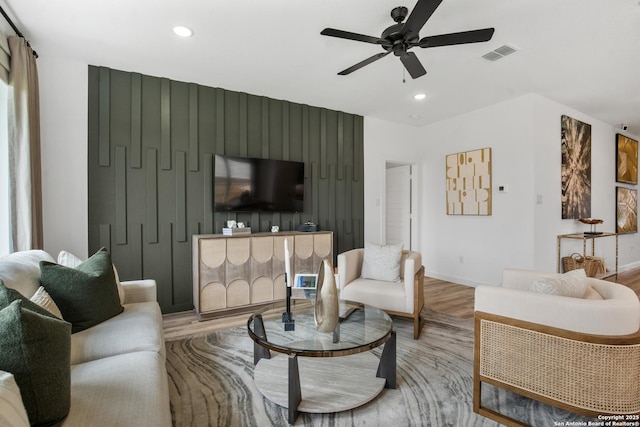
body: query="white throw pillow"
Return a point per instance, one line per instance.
(381, 262)
(12, 411)
(571, 284)
(44, 300)
(70, 260)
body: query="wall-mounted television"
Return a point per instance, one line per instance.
(243, 184)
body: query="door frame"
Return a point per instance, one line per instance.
(415, 205)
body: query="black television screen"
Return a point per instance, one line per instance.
(243, 184)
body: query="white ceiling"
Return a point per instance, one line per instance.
(580, 53)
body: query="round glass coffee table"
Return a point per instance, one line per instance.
(312, 378)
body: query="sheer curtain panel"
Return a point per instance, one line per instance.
(25, 181)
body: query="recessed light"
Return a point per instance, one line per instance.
(183, 31)
(414, 116)
(419, 96)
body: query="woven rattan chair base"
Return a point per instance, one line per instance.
(586, 374)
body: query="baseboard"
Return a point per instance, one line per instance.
(456, 280)
(628, 266)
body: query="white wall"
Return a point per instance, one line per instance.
(474, 249)
(548, 222)
(63, 116)
(385, 141)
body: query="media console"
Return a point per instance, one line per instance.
(234, 274)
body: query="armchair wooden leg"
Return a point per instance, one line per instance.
(418, 323)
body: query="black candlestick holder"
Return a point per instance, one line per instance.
(287, 317)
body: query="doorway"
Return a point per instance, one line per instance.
(399, 206)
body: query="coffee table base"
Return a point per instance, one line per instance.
(331, 384)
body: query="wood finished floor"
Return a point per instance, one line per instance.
(439, 295)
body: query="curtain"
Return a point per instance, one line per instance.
(25, 182)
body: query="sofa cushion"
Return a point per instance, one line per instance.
(12, 411)
(570, 284)
(591, 293)
(44, 300)
(8, 295)
(36, 350)
(70, 260)
(87, 294)
(138, 327)
(21, 270)
(377, 293)
(381, 262)
(125, 390)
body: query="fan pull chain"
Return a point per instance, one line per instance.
(404, 76)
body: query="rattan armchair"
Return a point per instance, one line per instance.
(576, 354)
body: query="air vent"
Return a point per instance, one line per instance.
(498, 53)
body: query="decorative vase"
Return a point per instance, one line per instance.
(326, 307)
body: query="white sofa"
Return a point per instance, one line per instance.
(118, 372)
(578, 353)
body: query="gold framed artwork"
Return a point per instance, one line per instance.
(576, 168)
(626, 210)
(468, 176)
(626, 159)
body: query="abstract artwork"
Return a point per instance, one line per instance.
(626, 210)
(576, 168)
(469, 182)
(626, 159)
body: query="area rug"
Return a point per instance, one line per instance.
(211, 384)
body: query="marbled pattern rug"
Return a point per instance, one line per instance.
(211, 384)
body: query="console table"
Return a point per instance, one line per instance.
(585, 237)
(234, 274)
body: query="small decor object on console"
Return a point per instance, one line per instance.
(592, 222)
(326, 310)
(235, 231)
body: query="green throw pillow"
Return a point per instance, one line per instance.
(36, 349)
(86, 295)
(8, 295)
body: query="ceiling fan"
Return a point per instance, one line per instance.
(401, 37)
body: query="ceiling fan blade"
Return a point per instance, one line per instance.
(413, 65)
(332, 32)
(463, 37)
(419, 15)
(363, 63)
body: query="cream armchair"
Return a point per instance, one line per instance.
(579, 354)
(404, 298)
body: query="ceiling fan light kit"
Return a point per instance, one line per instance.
(401, 37)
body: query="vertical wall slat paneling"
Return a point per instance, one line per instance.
(152, 196)
(220, 121)
(151, 203)
(165, 124)
(323, 144)
(265, 128)
(243, 124)
(208, 193)
(136, 263)
(104, 232)
(104, 150)
(340, 146)
(121, 195)
(136, 120)
(181, 196)
(193, 128)
(286, 150)
(358, 148)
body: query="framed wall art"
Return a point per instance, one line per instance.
(576, 168)
(626, 159)
(468, 176)
(626, 210)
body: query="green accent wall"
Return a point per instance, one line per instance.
(150, 165)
